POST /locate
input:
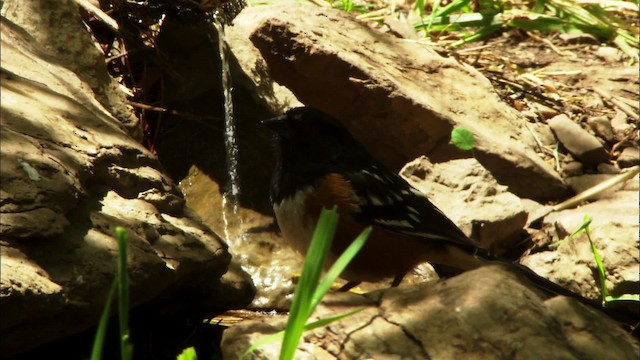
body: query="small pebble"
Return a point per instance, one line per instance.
(592, 101)
(580, 143)
(584, 182)
(629, 157)
(580, 38)
(573, 168)
(545, 111)
(604, 168)
(619, 125)
(602, 127)
(609, 54)
(545, 135)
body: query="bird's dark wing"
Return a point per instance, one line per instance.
(388, 201)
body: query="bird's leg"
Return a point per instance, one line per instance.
(348, 286)
(398, 279)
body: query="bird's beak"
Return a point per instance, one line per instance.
(278, 124)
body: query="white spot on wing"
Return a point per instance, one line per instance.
(398, 223)
(427, 235)
(373, 175)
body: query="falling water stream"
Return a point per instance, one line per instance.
(271, 278)
(230, 215)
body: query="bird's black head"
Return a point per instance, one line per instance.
(307, 124)
(311, 144)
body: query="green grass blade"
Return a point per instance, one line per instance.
(458, 5)
(596, 256)
(308, 292)
(420, 7)
(601, 274)
(188, 354)
(330, 319)
(623, 297)
(465, 20)
(483, 32)
(310, 326)
(126, 349)
(624, 44)
(98, 341)
(311, 271)
(262, 342)
(539, 6)
(434, 11)
(585, 224)
(338, 267)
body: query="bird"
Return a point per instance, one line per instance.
(320, 165)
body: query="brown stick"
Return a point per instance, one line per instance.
(617, 103)
(99, 14)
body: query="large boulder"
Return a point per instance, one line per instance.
(71, 173)
(400, 99)
(488, 313)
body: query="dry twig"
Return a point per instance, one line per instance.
(99, 14)
(617, 103)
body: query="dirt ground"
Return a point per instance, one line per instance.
(545, 75)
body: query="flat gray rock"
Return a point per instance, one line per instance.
(71, 173)
(584, 146)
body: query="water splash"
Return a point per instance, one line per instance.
(230, 215)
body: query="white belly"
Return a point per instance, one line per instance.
(297, 229)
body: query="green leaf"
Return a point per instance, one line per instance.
(338, 267)
(600, 266)
(419, 5)
(330, 319)
(188, 354)
(483, 32)
(98, 341)
(309, 292)
(126, 349)
(623, 297)
(462, 138)
(262, 342)
(601, 274)
(456, 5)
(310, 326)
(311, 270)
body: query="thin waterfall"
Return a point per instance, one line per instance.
(230, 197)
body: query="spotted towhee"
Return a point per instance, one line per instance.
(320, 164)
